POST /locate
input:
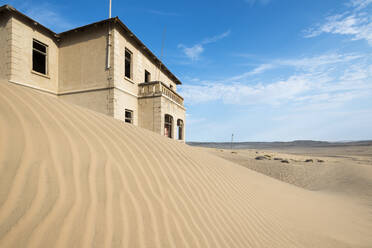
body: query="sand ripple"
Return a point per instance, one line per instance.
(70, 177)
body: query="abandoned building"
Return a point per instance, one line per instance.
(102, 66)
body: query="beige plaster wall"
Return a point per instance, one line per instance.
(152, 113)
(178, 112)
(140, 63)
(21, 38)
(82, 60)
(149, 113)
(4, 46)
(78, 64)
(93, 100)
(122, 101)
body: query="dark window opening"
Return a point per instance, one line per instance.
(128, 63)
(168, 126)
(180, 129)
(147, 76)
(129, 116)
(39, 57)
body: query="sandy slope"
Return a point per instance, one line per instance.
(70, 177)
(343, 171)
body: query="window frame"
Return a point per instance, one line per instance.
(43, 53)
(147, 73)
(180, 126)
(170, 124)
(130, 64)
(131, 119)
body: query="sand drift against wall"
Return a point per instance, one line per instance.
(70, 177)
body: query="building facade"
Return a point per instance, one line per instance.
(102, 66)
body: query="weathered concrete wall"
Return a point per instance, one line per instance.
(122, 101)
(149, 113)
(140, 63)
(152, 113)
(4, 46)
(176, 111)
(77, 71)
(93, 100)
(21, 38)
(82, 60)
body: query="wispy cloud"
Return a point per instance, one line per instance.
(48, 15)
(360, 4)
(323, 85)
(215, 38)
(258, 70)
(162, 13)
(356, 23)
(314, 62)
(192, 52)
(196, 50)
(306, 64)
(263, 2)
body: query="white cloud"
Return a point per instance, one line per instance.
(162, 13)
(195, 51)
(357, 72)
(357, 24)
(241, 94)
(360, 4)
(311, 63)
(215, 38)
(338, 78)
(252, 2)
(192, 52)
(258, 70)
(308, 64)
(48, 15)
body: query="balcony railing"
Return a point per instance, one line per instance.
(157, 88)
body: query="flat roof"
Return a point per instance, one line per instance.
(115, 21)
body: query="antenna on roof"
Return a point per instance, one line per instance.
(162, 50)
(110, 10)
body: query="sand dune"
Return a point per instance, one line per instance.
(341, 171)
(70, 177)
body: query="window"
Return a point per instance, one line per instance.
(39, 57)
(128, 63)
(180, 129)
(147, 76)
(168, 126)
(129, 116)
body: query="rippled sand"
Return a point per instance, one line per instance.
(70, 177)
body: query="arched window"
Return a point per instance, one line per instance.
(168, 126)
(180, 129)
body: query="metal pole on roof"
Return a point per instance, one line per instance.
(110, 10)
(162, 50)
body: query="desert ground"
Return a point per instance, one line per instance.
(70, 177)
(342, 170)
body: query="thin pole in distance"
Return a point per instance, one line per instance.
(110, 10)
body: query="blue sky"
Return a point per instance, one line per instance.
(264, 70)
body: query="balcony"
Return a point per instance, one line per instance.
(157, 88)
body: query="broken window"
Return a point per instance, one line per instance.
(39, 57)
(168, 126)
(128, 63)
(129, 116)
(180, 129)
(147, 76)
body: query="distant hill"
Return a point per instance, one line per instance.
(279, 144)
